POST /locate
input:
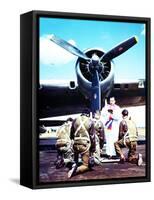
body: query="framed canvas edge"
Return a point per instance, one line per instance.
(35, 58)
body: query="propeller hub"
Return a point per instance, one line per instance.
(95, 64)
(95, 60)
(95, 57)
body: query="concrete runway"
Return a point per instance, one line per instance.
(49, 174)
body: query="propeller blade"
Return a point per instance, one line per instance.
(69, 47)
(119, 49)
(96, 93)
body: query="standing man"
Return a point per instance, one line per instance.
(84, 144)
(111, 114)
(128, 138)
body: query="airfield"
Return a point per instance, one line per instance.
(48, 172)
(110, 169)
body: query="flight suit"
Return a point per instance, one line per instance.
(127, 138)
(99, 130)
(84, 141)
(99, 138)
(64, 145)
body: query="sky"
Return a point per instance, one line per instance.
(57, 63)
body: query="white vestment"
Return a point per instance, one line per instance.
(111, 122)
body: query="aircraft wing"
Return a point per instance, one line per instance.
(129, 94)
(60, 100)
(57, 100)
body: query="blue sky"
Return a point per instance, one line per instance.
(56, 63)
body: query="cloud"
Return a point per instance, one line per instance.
(52, 54)
(143, 30)
(72, 42)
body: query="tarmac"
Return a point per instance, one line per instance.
(108, 170)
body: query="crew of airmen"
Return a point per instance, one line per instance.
(80, 141)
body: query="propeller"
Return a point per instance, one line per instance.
(119, 49)
(96, 92)
(69, 47)
(95, 65)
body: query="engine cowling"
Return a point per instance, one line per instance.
(84, 76)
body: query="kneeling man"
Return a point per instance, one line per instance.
(128, 138)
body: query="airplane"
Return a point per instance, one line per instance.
(95, 83)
